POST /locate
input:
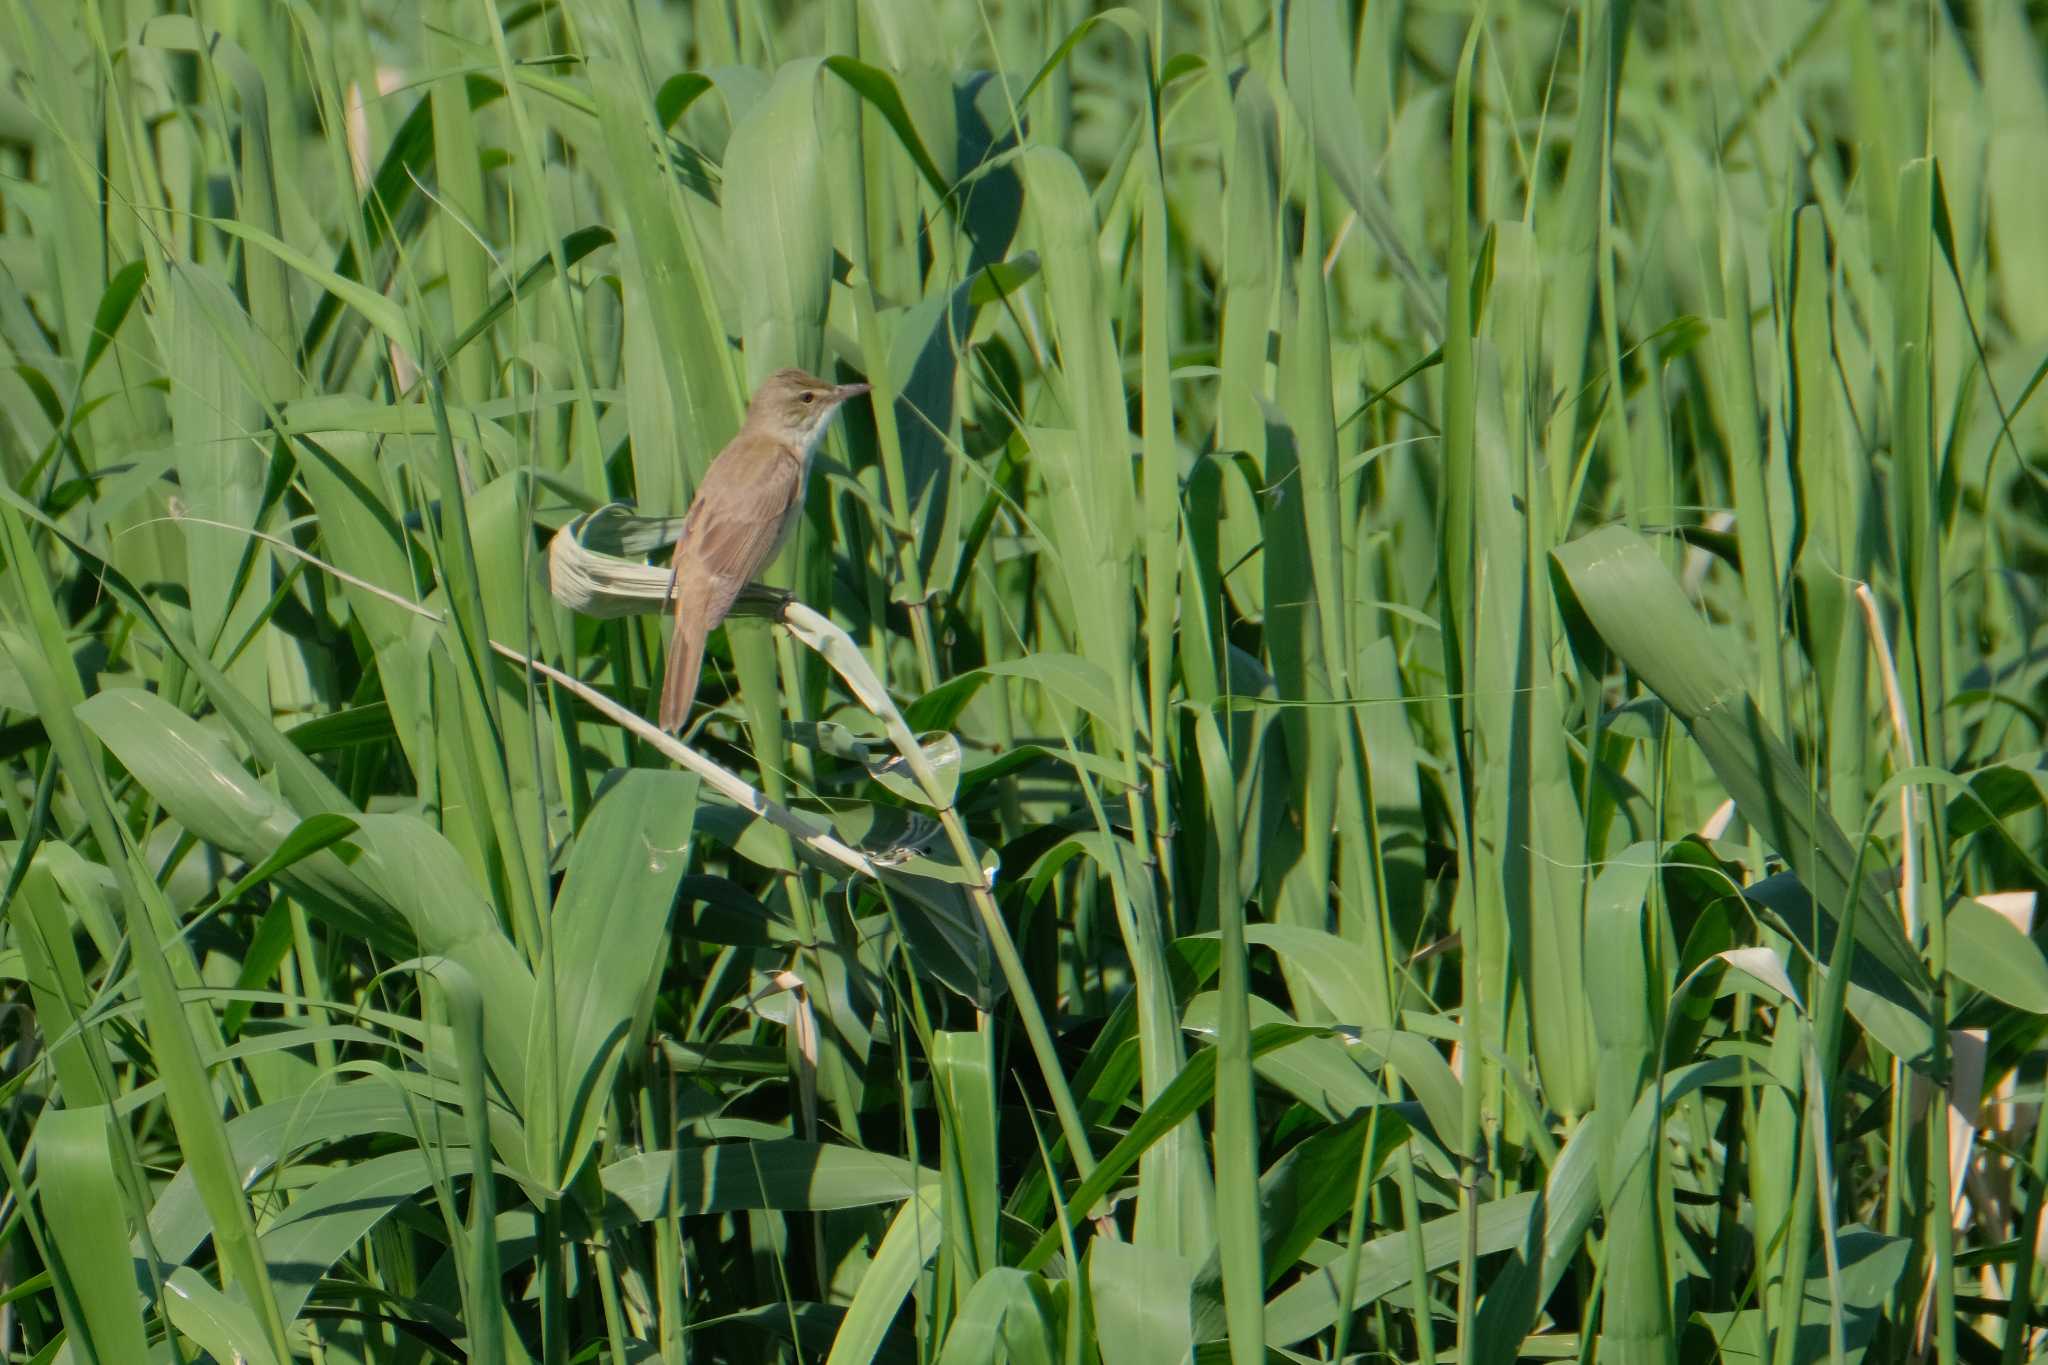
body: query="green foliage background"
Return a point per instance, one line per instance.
(1458, 589)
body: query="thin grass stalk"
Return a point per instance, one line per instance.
(1336, 783)
(1237, 1136)
(1387, 988)
(601, 1270)
(2031, 1178)
(1297, 871)
(1354, 1235)
(670, 1292)
(313, 978)
(1422, 1301)
(482, 1272)
(1456, 599)
(1579, 207)
(1816, 1193)
(1917, 547)
(1743, 419)
(1248, 289)
(1798, 1230)
(458, 188)
(1610, 38)
(552, 1250)
(1161, 459)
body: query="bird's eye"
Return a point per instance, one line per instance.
(809, 396)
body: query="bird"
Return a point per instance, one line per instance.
(743, 513)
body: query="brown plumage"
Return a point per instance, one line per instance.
(744, 510)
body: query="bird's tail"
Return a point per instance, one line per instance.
(685, 661)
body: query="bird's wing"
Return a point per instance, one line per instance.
(734, 528)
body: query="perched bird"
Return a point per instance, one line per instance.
(744, 510)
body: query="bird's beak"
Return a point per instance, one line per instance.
(846, 391)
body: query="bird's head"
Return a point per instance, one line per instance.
(798, 405)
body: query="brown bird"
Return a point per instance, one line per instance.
(744, 510)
